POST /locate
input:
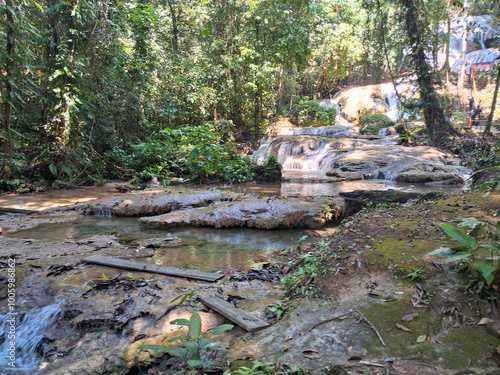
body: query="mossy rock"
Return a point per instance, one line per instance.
(133, 354)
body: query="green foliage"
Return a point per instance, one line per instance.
(257, 367)
(417, 274)
(270, 170)
(491, 186)
(278, 309)
(239, 170)
(194, 347)
(478, 249)
(303, 282)
(311, 113)
(371, 124)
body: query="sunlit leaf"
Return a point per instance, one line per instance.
(222, 328)
(459, 235)
(194, 326)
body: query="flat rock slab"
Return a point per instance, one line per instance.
(420, 164)
(153, 268)
(238, 316)
(254, 212)
(143, 203)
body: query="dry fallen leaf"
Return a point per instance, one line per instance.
(399, 369)
(408, 318)
(485, 321)
(402, 327)
(421, 338)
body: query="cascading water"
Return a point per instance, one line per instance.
(340, 151)
(22, 335)
(103, 211)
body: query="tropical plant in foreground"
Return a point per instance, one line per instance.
(479, 247)
(195, 349)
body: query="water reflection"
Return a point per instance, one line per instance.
(317, 183)
(205, 249)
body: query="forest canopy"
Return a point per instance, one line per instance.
(91, 89)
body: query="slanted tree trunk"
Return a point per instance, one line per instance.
(487, 129)
(437, 127)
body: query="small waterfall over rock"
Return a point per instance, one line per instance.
(342, 153)
(103, 211)
(22, 335)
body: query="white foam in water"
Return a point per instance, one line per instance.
(29, 331)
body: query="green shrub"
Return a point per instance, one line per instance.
(371, 124)
(241, 169)
(269, 171)
(311, 113)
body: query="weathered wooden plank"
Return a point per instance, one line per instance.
(17, 210)
(238, 316)
(147, 267)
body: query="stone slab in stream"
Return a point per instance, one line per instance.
(146, 203)
(238, 316)
(255, 212)
(153, 268)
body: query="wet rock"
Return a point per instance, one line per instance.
(404, 164)
(142, 203)
(416, 176)
(110, 362)
(347, 176)
(379, 196)
(253, 212)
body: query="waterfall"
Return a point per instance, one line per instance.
(104, 211)
(22, 335)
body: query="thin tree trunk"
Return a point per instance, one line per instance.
(487, 129)
(386, 55)
(461, 77)
(175, 29)
(435, 121)
(446, 65)
(8, 71)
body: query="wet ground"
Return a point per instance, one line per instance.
(367, 275)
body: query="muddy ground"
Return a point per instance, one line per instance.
(367, 298)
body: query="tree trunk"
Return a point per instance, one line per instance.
(446, 65)
(461, 77)
(437, 127)
(8, 71)
(487, 129)
(175, 29)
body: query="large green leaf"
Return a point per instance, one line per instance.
(180, 322)
(443, 251)
(487, 270)
(195, 362)
(459, 235)
(194, 326)
(222, 328)
(203, 342)
(458, 256)
(191, 346)
(156, 348)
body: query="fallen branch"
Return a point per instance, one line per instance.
(371, 326)
(361, 317)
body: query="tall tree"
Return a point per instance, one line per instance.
(437, 126)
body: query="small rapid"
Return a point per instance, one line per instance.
(22, 335)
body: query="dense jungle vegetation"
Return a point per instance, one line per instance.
(95, 90)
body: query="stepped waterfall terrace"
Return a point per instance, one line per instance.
(328, 153)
